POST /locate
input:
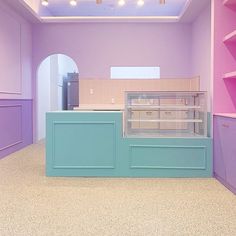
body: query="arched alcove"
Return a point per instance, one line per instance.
(51, 93)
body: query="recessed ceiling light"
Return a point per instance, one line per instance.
(73, 3)
(44, 2)
(121, 2)
(140, 3)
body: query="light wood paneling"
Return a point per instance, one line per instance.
(106, 90)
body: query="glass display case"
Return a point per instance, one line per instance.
(170, 114)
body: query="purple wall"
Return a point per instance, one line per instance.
(97, 46)
(15, 125)
(15, 81)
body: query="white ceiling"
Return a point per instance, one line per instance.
(111, 8)
(151, 11)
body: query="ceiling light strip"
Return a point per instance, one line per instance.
(66, 19)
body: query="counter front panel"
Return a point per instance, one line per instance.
(91, 143)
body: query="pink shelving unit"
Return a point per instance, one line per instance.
(230, 75)
(229, 115)
(230, 3)
(224, 84)
(230, 38)
(224, 101)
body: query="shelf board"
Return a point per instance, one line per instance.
(230, 75)
(229, 115)
(169, 121)
(230, 38)
(230, 3)
(148, 107)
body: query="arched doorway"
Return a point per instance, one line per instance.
(51, 91)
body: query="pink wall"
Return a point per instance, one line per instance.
(97, 46)
(201, 51)
(224, 90)
(15, 55)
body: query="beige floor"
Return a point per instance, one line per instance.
(32, 204)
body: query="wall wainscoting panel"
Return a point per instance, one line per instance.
(11, 120)
(15, 125)
(74, 152)
(168, 157)
(10, 47)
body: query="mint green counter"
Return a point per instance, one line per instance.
(92, 144)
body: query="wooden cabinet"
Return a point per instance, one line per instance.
(225, 150)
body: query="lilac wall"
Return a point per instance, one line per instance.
(201, 51)
(97, 46)
(15, 81)
(15, 56)
(224, 90)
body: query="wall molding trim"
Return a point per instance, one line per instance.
(11, 145)
(89, 123)
(21, 131)
(20, 54)
(16, 125)
(166, 147)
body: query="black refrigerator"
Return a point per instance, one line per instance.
(70, 94)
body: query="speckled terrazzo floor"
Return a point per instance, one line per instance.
(32, 204)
